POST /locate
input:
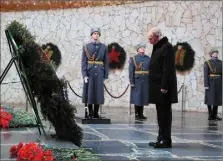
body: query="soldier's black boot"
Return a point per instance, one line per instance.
(90, 110)
(141, 116)
(215, 113)
(210, 113)
(136, 112)
(96, 109)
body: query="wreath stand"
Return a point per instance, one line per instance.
(25, 80)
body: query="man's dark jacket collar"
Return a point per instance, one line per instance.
(162, 41)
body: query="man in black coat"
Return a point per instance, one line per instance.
(163, 85)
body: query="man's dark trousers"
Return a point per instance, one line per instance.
(164, 116)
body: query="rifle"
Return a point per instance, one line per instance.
(86, 98)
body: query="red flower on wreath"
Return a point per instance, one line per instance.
(113, 55)
(30, 151)
(5, 118)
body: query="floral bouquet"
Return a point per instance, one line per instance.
(36, 152)
(11, 118)
(30, 151)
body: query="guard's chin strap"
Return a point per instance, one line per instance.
(143, 53)
(95, 41)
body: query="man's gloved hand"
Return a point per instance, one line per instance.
(86, 79)
(207, 88)
(132, 85)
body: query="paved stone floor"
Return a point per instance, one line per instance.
(194, 137)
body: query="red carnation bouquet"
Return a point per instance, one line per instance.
(30, 151)
(5, 118)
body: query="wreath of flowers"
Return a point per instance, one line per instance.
(184, 57)
(117, 56)
(49, 90)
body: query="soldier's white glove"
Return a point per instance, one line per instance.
(132, 85)
(206, 88)
(86, 79)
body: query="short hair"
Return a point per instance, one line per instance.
(156, 31)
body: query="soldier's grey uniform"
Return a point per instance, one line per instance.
(139, 80)
(213, 85)
(95, 66)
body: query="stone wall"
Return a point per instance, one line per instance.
(199, 23)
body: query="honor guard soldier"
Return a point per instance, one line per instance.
(94, 67)
(139, 80)
(213, 84)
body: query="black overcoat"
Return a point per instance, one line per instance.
(162, 74)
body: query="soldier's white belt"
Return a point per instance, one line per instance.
(141, 72)
(214, 75)
(95, 62)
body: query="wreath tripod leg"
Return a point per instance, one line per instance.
(32, 101)
(7, 69)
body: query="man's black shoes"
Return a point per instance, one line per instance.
(160, 144)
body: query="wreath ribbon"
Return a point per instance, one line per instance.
(180, 57)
